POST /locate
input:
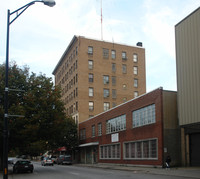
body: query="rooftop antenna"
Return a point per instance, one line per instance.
(101, 23)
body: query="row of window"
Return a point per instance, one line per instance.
(105, 54)
(70, 84)
(71, 96)
(146, 149)
(73, 108)
(73, 54)
(106, 80)
(118, 123)
(124, 67)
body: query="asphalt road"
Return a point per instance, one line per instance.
(80, 172)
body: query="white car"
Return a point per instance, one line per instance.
(46, 161)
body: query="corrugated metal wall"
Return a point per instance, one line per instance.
(187, 34)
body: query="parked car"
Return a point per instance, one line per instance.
(54, 158)
(23, 166)
(64, 159)
(46, 161)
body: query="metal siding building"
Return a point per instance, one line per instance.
(187, 35)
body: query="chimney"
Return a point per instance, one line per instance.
(139, 44)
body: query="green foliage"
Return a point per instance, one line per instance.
(45, 125)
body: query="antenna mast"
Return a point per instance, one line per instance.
(101, 23)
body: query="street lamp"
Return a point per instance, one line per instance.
(18, 12)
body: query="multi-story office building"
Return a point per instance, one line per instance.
(96, 75)
(187, 34)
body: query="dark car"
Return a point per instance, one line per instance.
(23, 166)
(64, 159)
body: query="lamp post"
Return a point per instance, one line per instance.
(18, 12)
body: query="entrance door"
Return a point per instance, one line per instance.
(194, 149)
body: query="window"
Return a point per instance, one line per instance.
(91, 105)
(116, 124)
(124, 69)
(90, 64)
(135, 94)
(113, 80)
(135, 57)
(113, 52)
(113, 67)
(135, 82)
(105, 53)
(82, 134)
(105, 79)
(110, 151)
(124, 56)
(114, 93)
(135, 70)
(146, 149)
(106, 106)
(91, 77)
(99, 129)
(144, 116)
(106, 93)
(90, 50)
(91, 92)
(93, 130)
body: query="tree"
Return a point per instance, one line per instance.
(45, 125)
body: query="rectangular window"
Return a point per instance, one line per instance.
(135, 70)
(124, 68)
(90, 50)
(100, 129)
(144, 116)
(82, 134)
(135, 57)
(114, 94)
(90, 64)
(93, 130)
(146, 149)
(110, 152)
(91, 92)
(91, 105)
(113, 67)
(106, 93)
(91, 77)
(135, 94)
(105, 53)
(135, 83)
(113, 52)
(105, 79)
(116, 124)
(113, 80)
(106, 106)
(124, 56)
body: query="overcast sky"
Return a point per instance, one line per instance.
(39, 37)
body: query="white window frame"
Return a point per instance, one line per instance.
(106, 106)
(90, 50)
(130, 153)
(91, 92)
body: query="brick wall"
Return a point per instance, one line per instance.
(130, 134)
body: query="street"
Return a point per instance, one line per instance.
(80, 172)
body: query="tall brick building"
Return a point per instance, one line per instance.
(96, 75)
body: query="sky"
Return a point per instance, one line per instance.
(39, 37)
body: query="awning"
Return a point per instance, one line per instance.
(62, 149)
(89, 144)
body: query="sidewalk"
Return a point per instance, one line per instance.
(190, 172)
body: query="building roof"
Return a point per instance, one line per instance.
(74, 40)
